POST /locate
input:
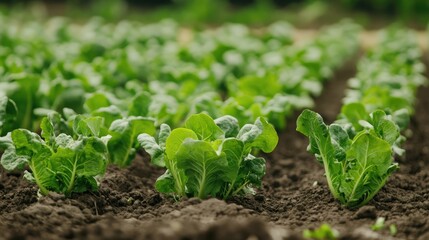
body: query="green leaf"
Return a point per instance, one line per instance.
(370, 161)
(204, 126)
(122, 146)
(203, 167)
(29, 149)
(379, 224)
(229, 125)
(89, 126)
(385, 127)
(165, 183)
(52, 125)
(155, 150)
(10, 160)
(8, 114)
(402, 118)
(260, 135)
(140, 104)
(23, 91)
(110, 114)
(324, 232)
(176, 139)
(77, 165)
(311, 125)
(96, 101)
(355, 112)
(234, 150)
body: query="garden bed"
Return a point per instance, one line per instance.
(294, 197)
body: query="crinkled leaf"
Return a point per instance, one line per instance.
(260, 135)
(89, 126)
(76, 165)
(154, 149)
(203, 167)
(165, 183)
(370, 160)
(229, 125)
(124, 132)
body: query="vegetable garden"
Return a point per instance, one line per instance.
(156, 131)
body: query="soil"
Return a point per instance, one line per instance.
(294, 197)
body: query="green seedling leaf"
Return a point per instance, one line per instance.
(379, 224)
(204, 126)
(311, 125)
(324, 232)
(123, 144)
(154, 149)
(201, 162)
(202, 166)
(356, 169)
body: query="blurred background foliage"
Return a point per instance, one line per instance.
(303, 13)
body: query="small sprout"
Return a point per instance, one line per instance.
(393, 230)
(379, 224)
(130, 201)
(324, 232)
(315, 183)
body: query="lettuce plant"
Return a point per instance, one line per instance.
(358, 164)
(210, 157)
(58, 162)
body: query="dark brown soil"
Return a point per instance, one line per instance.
(294, 197)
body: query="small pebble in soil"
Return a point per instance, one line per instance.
(123, 201)
(155, 199)
(366, 212)
(136, 202)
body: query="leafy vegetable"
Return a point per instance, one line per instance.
(210, 157)
(357, 150)
(59, 163)
(356, 168)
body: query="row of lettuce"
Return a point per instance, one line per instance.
(76, 98)
(99, 92)
(358, 150)
(163, 71)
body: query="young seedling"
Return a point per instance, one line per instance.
(58, 162)
(324, 232)
(356, 165)
(210, 157)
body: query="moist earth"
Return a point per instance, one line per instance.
(294, 196)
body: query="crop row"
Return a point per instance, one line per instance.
(358, 149)
(101, 90)
(80, 97)
(129, 69)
